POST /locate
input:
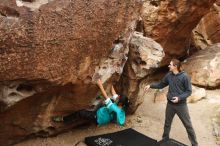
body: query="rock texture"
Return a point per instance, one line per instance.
(61, 38)
(145, 55)
(50, 51)
(203, 67)
(170, 23)
(207, 32)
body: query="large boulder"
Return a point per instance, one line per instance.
(61, 40)
(207, 31)
(203, 67)
(144, 56)
(50, 52)
(170, 23)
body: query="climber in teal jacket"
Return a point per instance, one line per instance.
(106, 113)
(113, 109)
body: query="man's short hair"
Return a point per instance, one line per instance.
(177, 63)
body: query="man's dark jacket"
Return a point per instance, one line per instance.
(179, 86)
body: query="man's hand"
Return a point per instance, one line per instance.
(146, 88)
(175, 99)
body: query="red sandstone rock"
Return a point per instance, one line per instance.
(49, 53)
(170, 23)
(203, 67)
(207, 31)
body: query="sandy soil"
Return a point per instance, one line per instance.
(148, 119)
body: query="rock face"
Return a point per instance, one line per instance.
(170, 23)
(207, 31)
(145, 55)
(50, 51)
(203, 67)
(61, 38)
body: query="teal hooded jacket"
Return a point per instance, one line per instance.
(107, 113)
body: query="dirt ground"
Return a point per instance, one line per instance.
(148, 119)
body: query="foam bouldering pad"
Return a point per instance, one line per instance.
(127, 137)
(170, 142)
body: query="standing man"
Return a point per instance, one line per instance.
(179, 89)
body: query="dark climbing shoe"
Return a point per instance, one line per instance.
(57, 119)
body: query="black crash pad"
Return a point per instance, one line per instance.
(127, 137)
(170, 142)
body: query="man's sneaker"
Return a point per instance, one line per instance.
(57, 119)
